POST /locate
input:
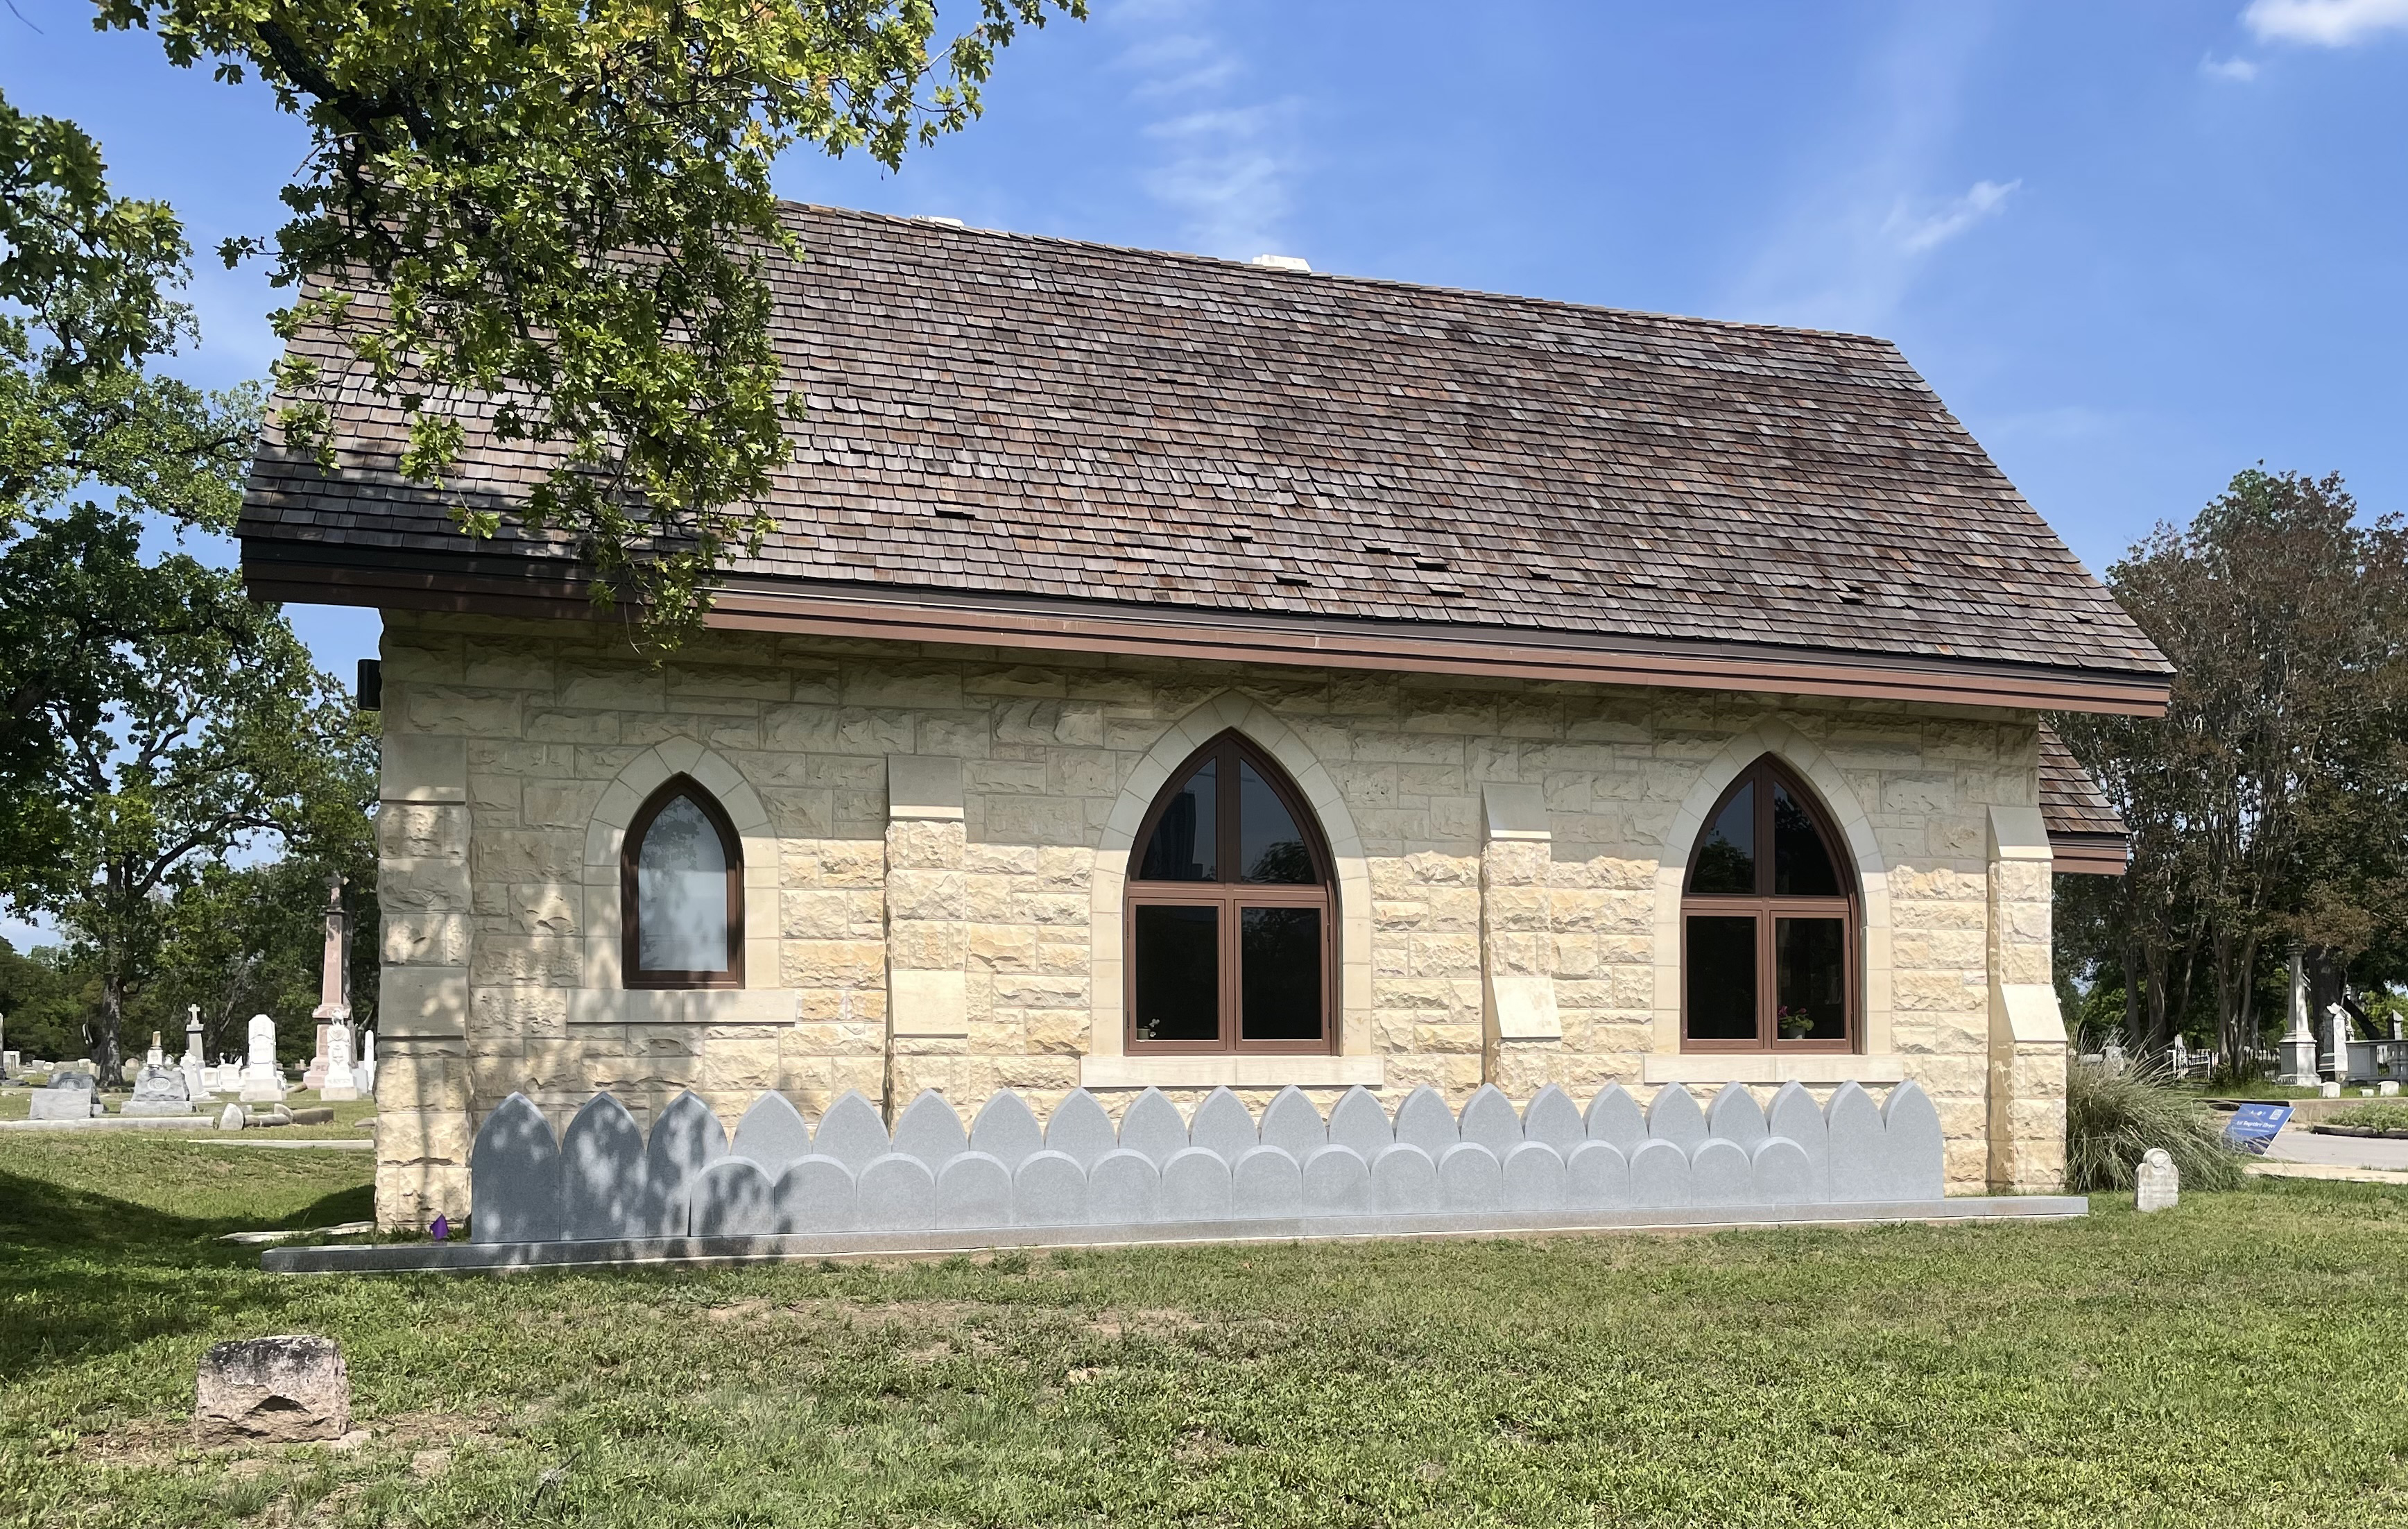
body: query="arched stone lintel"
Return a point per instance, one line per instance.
(607, 833)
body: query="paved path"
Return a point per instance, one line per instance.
(2303, 1154)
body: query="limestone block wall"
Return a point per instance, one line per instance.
(933, 895)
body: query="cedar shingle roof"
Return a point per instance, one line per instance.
(1000, 414)
(2071, 802)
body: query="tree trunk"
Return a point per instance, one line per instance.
(100, 1030)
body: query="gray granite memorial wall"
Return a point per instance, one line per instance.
(605, 1179)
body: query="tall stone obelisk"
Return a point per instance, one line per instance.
(334, 980)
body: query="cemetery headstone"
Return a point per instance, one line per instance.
(159, 1089)
(156, 1056)
(2157, 1183)
(196, 1068)
(280, 1389)
(367, 1065)
(71, 1096)
(263, 1083)
(340, 1082)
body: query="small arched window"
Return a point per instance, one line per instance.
(1229, 912)
(1770, 928)
(681, 893)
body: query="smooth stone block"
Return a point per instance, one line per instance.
(851, 1133)
(1196, 1186)
(1267, 1182)
(1615, 1118)
(1596, 1176)
(1720, 1173)
(771, 1134)
(1735, 1117)
(514, 1177)
(1488, 1119)
(1783, 1175)
(1007, 1131)
(1124, 1188)
(1050, 1188)
(1404, 1181)
(687, 1139)
(815, 1193)
(2157, 1183)
(1358, 1124)
(1153, 1128)
(1534, 1178)
(896, 1193)
(1914, 1162)
(930, 1131)
(1673, 1115)
(1552, 1117)
(1860, 1147)
(974, 1190)
(1469, 1178)
(1659, 1176)
(602, 1173)
(1424, 1120)
(1224, 1125)
(1796, 1116)
(1292, 1122)
(1081, 1129)
(1337, 1182)
(734, 1198)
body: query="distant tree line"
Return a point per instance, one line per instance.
(2269, 807)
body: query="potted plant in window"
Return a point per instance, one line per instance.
(1793, 1023)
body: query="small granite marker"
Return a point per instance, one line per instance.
(2157, 1186)
(281, 1390)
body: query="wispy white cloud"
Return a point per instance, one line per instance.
(2326, 23)
(1227, 164)
(2238, 71)
(1920, 232)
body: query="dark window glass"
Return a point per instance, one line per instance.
(1726, 858)
(1273, 846)
(682, 891)
(1801, 867)
(1187, 842)
(1811, 956)
(1278, 964)
(1722, 978)
(1178, 974)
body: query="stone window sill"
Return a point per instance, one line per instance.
(1236, 1072)
(1767, 1067)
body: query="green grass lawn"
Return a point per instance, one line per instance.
(2242, 1360)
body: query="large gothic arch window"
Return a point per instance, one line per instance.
(681, 893)
(1230, 944)
(1769, 924)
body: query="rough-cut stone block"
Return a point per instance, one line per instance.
(1552, 1117)
(1049, 1189)
(1795, 1114)
(1614, 1117)
(734, 1198)
(1292, 1122)
(896, 1193)
(1659, 1176)
(514, 1177)
(929, 1131)
(602, 1173)
(1673, 1115)
(1404, 1181)
(1469, 1178)
(687, 1139)
(1534, 1178)
(1267, 1181)
(281, 1390)
(1720, 1173)
(1124, 1188)
(1735, 1117)
(815, 1194)
(1223, 1125)
(973, 1189)
(1783, 1174)
(1860, 1147)
(1007, 1131)
(851, 1133)
(1596, 1176)
(1080, 1129)
(1358, 1124)
(1424, 1120)
(1488, 1119)
(1196, 1186)
(1915, 1156)
(1337, 1182)
(1153, 1127)
(771, 1134)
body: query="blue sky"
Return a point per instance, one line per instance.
(2136, 245)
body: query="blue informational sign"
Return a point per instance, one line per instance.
(2253, 1125)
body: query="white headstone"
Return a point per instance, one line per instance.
(196, 1070)
(2157, 1185)
(2299, 1041)
(340, 1082)
(261, 1083)
(157, 1055)
(2387, 1089)
(2329, 1090)
(365, 1067)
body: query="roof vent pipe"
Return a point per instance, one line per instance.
(1282, 263)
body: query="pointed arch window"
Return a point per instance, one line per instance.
(1771, 937)
(681, 893)
(1229, 912)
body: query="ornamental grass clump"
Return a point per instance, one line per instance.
(2112, 1119)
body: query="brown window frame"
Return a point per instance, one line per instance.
(1232, 897)
(1768, 908)
(632, 972)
